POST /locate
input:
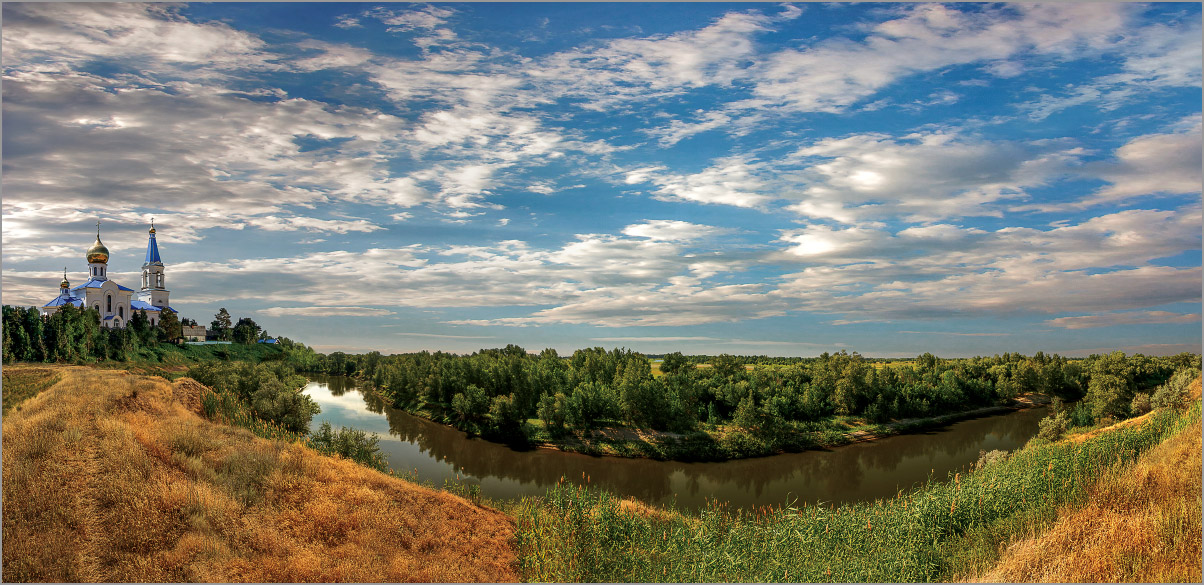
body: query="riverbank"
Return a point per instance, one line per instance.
(113, 477)
(720, 443)
(727, 442)
(951, 528)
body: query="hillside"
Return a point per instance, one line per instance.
(1141, 523)
(108, 476)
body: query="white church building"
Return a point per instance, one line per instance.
(115, 302)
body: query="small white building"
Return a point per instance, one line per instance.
(115, 302)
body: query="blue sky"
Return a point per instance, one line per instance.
(781, 179)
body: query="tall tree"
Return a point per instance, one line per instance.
(170, 328)
(246, 331)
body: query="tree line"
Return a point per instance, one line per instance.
(495, 391)
(74, 334)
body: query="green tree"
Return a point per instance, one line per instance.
(222, 325)
(552, 411)
(1109, 395)
(727, 365)
(673, 363)
(471, 405)
(246, 331)
(170, 329)
(505, 418)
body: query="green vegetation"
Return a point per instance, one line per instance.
(934, 532)
(73, 335)
(23, 384)
(352, 444)
(731, 409)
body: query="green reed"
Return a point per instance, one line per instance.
(584, 534)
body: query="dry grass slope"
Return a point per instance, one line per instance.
(109, 477)
(1142, 524)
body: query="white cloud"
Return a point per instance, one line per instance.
(1133, 318)
(835, 74)
(732, 181)
(319, 311)
(149, 33)
(1148, 165)
(673, 230)
(919, 177)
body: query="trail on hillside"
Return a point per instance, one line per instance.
(112, 477)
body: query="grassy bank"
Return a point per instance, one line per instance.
(940, 531)
(110, 476)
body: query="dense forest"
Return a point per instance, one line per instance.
(495, 391)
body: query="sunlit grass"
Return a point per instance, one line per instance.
(108, 477)
(581, 534)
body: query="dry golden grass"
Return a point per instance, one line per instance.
(108, 477)
(1142, 524)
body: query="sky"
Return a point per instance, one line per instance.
(745, 178)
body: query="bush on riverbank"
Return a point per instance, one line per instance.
(271, 390)
(578, 534)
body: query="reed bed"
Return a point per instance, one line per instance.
(583, 534)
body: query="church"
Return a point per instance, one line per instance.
(115, 302)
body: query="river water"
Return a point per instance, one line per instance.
(859, 472)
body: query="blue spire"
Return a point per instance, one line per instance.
(152, 248)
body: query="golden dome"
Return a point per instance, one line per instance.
(98, 252)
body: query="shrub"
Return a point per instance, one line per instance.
(1141, 404)
(986, 458)
(1051, 428)
(352, 444)
(1174, 393)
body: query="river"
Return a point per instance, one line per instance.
(858, 472)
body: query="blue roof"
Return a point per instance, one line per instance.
(152, 251)
(93, 283)
(61, 300)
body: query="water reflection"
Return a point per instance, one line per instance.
(860, 472)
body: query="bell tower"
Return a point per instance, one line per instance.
(154, 289)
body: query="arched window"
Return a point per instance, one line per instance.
(108, 303)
